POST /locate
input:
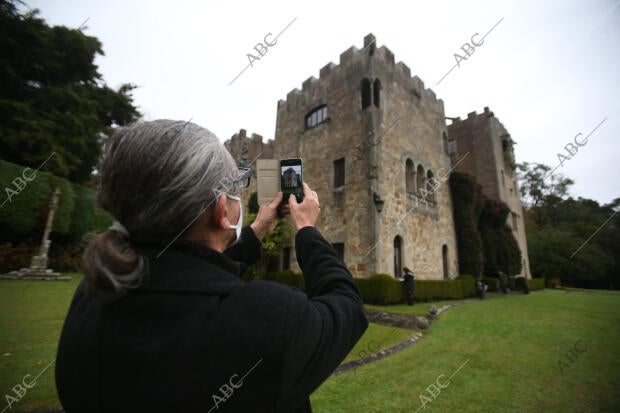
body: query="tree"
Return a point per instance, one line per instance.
(53, 102)
(536, 182)
(575, 240)
(272, 243)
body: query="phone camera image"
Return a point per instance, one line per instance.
(291, 179)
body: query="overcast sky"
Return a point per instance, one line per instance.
(549, 70)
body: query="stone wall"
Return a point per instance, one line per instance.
(486, 150)
(405, 122)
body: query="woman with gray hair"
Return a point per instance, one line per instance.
(162, 320)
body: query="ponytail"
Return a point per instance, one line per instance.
(111, 265)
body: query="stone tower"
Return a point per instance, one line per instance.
(482, 147)
(374, 146)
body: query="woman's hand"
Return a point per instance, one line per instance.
(306, 213)
(267, 218)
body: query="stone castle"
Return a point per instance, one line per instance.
(376, 148)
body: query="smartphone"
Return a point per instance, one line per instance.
(267, 180)
(291, 179)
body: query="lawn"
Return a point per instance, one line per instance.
(510, 351)
(550, 351)
(31, 316)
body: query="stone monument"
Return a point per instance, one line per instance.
(38, 265)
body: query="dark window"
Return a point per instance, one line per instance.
(377, 91)
(339, 247)
(398, 257)
(316, 116)
(420, 184)
(409, 177)
(286, 258)
(338, 172)
(366, 93)
(444, 254)
(430, 186)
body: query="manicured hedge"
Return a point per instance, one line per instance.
(469, 285)
(536, 284)
(83, 217)
(66, 206)
(23, 215)
(381, 289)
(22, 210)
(492, 283)
(384, 289)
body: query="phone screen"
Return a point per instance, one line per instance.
(291, 179)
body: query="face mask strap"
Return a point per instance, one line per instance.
(239, 224)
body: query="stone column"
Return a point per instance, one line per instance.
(38, 265)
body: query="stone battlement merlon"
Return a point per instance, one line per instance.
(487, 113)
(351, 56)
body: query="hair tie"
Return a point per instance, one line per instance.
(118, 227)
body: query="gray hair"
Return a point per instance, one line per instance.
(156, 179)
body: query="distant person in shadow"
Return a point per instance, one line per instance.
(409, 284)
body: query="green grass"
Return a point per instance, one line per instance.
(31, 317)
(376, 338)
(419, 308)
(510, 349)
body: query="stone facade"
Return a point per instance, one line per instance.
(374, 144)
(246, 149)
(480, 145)
(377, 118)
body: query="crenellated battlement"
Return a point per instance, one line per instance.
(353, 59)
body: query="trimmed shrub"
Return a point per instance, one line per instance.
(66, 259)
(21, 215)
(432, 290)
(16, 257)
(518, 283)
(103, 220)
(492, 283)
(468, 285)
(24, 213)
(66, 204)
(384, 289)
(554, 283)
(83, 217)
(536, 284)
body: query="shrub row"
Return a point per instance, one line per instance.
(536, 284)
(27, 203)
(384, 289)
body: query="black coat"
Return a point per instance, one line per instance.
(409, 285)
(196, 338)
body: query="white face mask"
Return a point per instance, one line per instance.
(237, 227)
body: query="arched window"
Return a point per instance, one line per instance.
(409, 177)
(316, 116)
(398, 256)
(420, 180)
(376, 91)
(430, 186)
(366, 93)
(444, 256)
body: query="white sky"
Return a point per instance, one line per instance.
(549, 70)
